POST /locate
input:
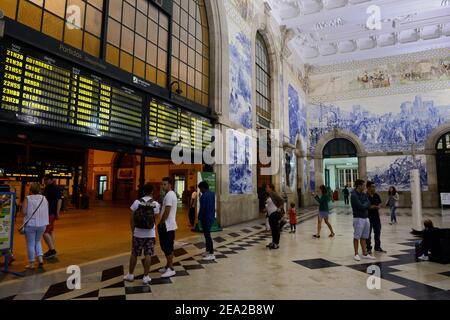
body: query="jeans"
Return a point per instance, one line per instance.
(33, 236)
(346, 201)
(375, 225)
(206, 226)
(393, 213)
(274, 221)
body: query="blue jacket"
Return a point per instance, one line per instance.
(360, 204)
(207, 211)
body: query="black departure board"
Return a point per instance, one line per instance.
(165, 119)
(42, 91)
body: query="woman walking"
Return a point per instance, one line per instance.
(392, 203)
(35, 211)
(274, 205)
(324, 211)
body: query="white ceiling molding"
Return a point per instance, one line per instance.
(336, 31)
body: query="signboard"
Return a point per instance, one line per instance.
(7, 210)
(445, 199)
(42, 91)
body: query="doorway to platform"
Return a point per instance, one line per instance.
(443, 164)
(340, 167)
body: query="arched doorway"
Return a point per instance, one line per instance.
(124, 177)
(340, 165)
(443, 163)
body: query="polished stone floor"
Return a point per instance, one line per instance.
(303, 268)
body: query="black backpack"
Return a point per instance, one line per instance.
(144, 216)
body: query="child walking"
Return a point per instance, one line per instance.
(293, 218)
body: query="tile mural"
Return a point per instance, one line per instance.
(383, 124)
(297, 118)
(395, 171)
(240, 159)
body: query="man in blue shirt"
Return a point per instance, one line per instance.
(361, 224)
(206, 216)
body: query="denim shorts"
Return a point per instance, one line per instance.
(361, 227)
(324, 214)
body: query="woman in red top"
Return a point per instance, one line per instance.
(293, 218)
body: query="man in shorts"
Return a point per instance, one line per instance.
(143, 239)
(54, 197)
(167, 227)
(361, 224)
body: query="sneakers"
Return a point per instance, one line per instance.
(146, 280)
(380, 250)
(50, 254)
(162, 270)
(368, 257)
(205, 254)
(357, 257)
(423, 258)
(129, 278)
(169, 273)
(269, 245)
(274, 246)
(209, 257)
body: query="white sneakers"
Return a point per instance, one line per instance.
(162, 270)
(423, 258)
(168, 273)
(209, 257)
(130, 278)
(367, 257)
(147, 280)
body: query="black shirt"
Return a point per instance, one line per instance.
(53, 194)
(374, 200)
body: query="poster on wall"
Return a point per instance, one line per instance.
(7, 207)
(124, 174)
(291, 170)
(240, 159)
(395, 171)
(297, 119)
(312, 176)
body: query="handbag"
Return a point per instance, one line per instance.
(22, 228)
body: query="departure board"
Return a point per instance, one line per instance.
(165, 119)
(40, 90)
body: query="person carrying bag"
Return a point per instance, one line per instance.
(35, 211)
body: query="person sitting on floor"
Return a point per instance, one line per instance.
(423, 247)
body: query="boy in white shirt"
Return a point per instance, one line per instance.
(167, 227)
(143, 239)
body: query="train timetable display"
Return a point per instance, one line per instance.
(165, 119)
(38, 90)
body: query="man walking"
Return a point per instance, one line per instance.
(374, 218)
(53, 195)
(206, 216)
(346, 195)
(361, 223)
(274, 205)
(167, 226)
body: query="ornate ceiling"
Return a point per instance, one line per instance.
(334, 31)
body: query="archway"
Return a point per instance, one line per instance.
(339, 159)
(124, 176)
(443, 163)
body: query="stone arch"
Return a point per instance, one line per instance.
(335, 134)
(436, 134)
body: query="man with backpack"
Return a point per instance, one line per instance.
(144, 232)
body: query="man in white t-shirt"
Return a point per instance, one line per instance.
(167, 226)
(143, 239)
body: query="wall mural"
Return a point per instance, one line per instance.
(383, 124)
(241, 68)
(312, 176)
(297, 118)
(305, 175)
(240, 159)
(390, 75)
(291, 170)
(395, 171)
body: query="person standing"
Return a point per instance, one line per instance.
(392, 203)
(374, 218)
(192, 206)
(274, 205)
(324, 211)
(206, 216)
(36, 219)
(167, 226)
(53, 195)
(293, 218)
(361, 224)
(346, 195)
(144, 236)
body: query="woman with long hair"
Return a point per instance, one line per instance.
(392, 203)
(324, 211)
